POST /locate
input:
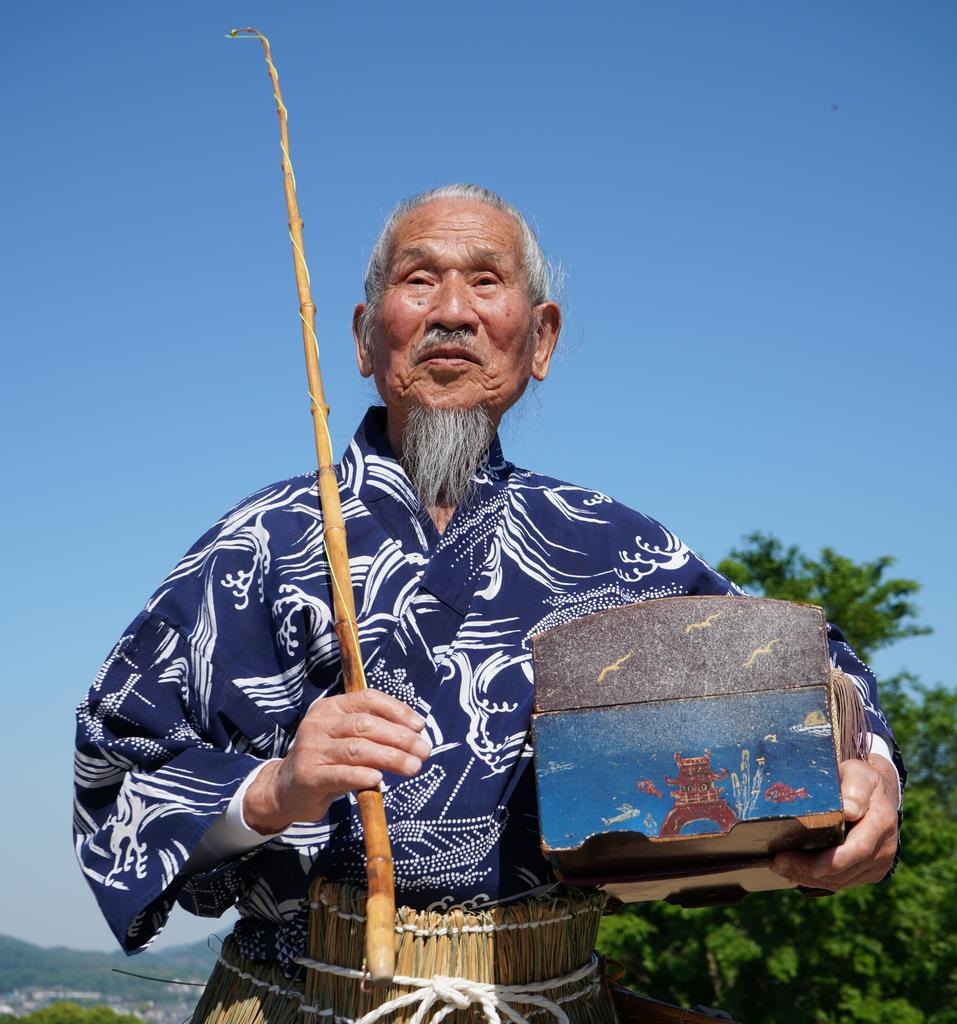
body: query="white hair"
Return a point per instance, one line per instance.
(539, 272)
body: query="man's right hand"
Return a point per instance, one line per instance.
(344, 743)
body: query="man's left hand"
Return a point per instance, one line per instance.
(870, 793)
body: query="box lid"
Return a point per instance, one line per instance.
(675, 647)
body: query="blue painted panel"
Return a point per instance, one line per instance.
(743, 757)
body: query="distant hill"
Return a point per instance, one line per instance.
(23, 965)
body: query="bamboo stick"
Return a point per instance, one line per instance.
(380, 907)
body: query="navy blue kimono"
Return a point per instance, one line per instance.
(215, 674)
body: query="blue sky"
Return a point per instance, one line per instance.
(753, 204)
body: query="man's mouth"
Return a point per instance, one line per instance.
(447, 354)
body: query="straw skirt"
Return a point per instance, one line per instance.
(532, 960)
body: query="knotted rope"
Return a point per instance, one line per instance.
(451, 994)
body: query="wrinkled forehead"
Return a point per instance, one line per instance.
(467, 230)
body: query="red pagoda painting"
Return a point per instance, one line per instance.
(697, 798)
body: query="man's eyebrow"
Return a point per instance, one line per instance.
(412, 253)
(480, 256)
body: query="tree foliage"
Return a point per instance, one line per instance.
(871, 610)
(73, 1013)
(884, 954)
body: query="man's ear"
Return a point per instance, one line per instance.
(549, 327)
(362, 356)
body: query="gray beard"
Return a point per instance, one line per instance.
(442, 449)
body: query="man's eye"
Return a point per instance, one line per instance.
(487, 279)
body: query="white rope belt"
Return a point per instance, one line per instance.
(453, 994)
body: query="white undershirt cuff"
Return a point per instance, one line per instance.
(878, 745)
(229, 836)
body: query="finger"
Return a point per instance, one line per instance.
(867, 874)
(795, 869)
(378, 730)
(889, 777)
(829, 864)
(339, 779)
(357, 751)
(293, 795)
(866, 855)
(385, 706)
(859, 780)
(859, 847)
(310, 801)
(373, 702)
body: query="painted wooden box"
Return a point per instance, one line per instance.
(681, 742)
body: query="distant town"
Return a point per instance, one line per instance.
(65, 986)
(23, 1003)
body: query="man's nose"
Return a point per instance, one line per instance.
(453, 305)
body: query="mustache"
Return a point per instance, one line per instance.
(440, 337)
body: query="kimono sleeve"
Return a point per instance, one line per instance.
(156, 763)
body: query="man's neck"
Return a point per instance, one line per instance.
(441, 515)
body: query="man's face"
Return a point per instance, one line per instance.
(456, 267)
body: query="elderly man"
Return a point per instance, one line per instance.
(217, 754)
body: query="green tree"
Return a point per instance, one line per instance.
(871, 610)
(73, 1013)
(883, 954)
